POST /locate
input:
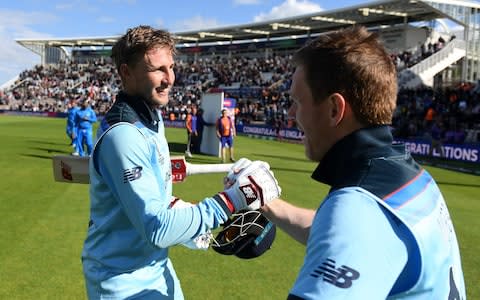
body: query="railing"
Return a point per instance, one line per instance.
(413, 73)
(438, 56)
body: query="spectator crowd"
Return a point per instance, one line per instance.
(260, 85)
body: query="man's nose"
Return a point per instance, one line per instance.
(169, 79)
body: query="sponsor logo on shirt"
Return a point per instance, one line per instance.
(341, 277)
(132, 174)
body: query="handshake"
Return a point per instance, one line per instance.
(248, 185)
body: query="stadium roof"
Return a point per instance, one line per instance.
(373, 14)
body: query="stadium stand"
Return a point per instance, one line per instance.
(438, 71)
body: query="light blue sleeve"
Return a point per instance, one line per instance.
(140, 187)
(353, 251)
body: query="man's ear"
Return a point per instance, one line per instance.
(124, 70)
(338, 106)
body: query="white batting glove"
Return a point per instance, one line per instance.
(200, 242)
(237, 167)
(253, 187)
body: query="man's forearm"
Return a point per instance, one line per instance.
(296, 221)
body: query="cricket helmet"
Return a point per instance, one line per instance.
(247, 234)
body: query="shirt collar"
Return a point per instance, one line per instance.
(147, 115)
(352, 155)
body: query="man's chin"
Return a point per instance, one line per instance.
(309, 153)
(160, 101)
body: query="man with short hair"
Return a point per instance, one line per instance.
(383, 231)
(226, 132)
(192, 133)
(85, 117)
(134, 218)
(71, 129)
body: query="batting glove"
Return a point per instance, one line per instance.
(237, 167)
(254, 187)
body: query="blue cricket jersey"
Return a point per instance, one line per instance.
(85, 117)
(71, 116)
(383, 231)
(125, 253)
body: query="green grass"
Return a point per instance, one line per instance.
(43, 223)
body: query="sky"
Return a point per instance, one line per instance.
(31, 19)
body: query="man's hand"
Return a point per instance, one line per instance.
(200, 242)
(253, 187)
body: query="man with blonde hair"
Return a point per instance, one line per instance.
(134, 218)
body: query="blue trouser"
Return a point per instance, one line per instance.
(84, 136)
(72, 134)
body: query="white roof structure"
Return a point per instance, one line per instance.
(373, 14)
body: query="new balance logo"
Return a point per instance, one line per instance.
(341, 277)
(132, 174)
(249, 192)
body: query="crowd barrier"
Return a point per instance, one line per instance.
(466, 152)
(419, 147)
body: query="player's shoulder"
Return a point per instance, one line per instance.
(354, 196)
(120, 137)
(351, 204)
(352, 214)
(123, 131)
(121, 112)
